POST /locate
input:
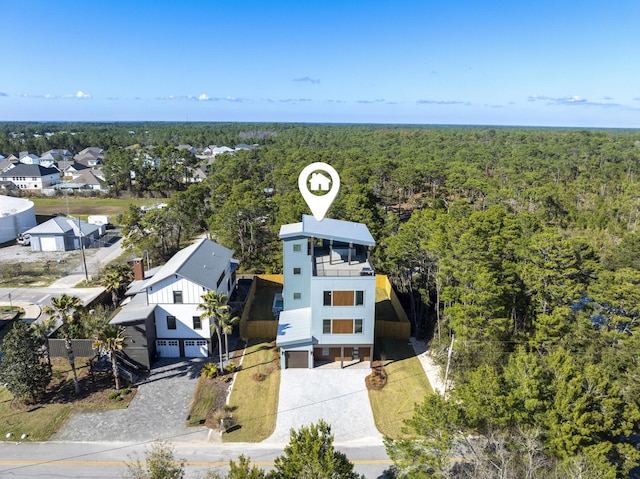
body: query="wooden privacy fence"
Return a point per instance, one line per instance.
(250, 326)
(82, 348)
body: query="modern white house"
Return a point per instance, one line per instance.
(162, 317)
(329, 293)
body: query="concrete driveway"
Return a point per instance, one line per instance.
(339, 396)
(159, 410)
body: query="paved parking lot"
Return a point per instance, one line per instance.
(339, 396)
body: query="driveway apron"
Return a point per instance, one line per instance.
(158, 411)
(339, 396)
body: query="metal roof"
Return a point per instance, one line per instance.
(294, 327)
(328, 228)
(134, 310)
(202, 263)
(61, 225)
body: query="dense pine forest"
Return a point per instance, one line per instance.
(522, 243)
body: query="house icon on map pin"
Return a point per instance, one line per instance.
(319, 182)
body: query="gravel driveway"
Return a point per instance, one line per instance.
(159, 410)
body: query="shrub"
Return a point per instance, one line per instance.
(209, 370)
(115, 395)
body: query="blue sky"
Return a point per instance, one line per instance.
(543, 63)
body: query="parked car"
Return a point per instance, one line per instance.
(24, 240)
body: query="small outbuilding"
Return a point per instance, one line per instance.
(63, 234)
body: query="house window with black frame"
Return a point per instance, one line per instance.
(327, 298)
(359, 298)
(297, 271)
(326, 326)
(297, 295)
(297, 247)
(171, 322)
(357, 327)
(177, 297)
(197, 322)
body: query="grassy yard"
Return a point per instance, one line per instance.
(84, 206)
(254, 398)
(406, 385)
(40, 421)
(26, 273)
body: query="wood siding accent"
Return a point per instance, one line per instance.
(342, 326)
(343, 298)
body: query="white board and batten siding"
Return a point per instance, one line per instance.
(162, 292)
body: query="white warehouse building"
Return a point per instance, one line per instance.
(17, 215)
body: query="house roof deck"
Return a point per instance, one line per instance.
(338, 264)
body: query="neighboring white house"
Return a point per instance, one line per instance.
(164, 302)
(17, 215)
(31, 177)
(329, 293)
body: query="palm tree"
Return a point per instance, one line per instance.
(227, 322)
(213, 306)
(112, 339)
(115, 278)
(64, 309)
(41, 330)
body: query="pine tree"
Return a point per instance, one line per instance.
(24, 368)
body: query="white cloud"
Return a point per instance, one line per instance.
(442, 102)
(570, 101)
(204, 97)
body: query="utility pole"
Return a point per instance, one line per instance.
(84, 260)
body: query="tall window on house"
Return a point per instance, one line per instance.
(220, 279)
(177, 297)
(171, 322)
(327, 298)
(357, 326)
(197, 322)
(359, 298)
(326, 326)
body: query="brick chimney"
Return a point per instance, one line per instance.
(138, 269)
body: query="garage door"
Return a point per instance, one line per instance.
(168, 348)
(48, 243)
(195, 349)
(297, 359)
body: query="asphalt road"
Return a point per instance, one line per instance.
(108, 460)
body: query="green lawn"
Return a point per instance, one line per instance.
(254, 398)
(84, 206)
(40, 421)
(407, 385)
(204, 401)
